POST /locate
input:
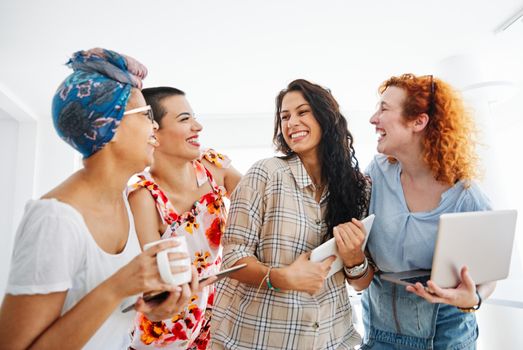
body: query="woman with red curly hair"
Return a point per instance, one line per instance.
(426, 168)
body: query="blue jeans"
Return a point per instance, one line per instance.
(397, 319)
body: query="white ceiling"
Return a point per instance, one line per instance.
(232, 57)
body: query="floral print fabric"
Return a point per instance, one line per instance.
(89, 104)
(203, 227)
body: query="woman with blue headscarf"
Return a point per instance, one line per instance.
(76, 256)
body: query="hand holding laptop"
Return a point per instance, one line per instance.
(484, 233)
(463, 296)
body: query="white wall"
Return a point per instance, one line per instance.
(8, 158)
(500, 327)
(55, 160)
(17, 156)
(25, 168)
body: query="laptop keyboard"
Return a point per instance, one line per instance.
(421, 279)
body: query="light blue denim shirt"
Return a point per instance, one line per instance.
(401, 241)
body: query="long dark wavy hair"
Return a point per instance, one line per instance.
(339, 166)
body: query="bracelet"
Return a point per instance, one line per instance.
(472, 308)
(360, 276)
(267, 279)
(357, 271)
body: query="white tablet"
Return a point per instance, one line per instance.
(329, 248)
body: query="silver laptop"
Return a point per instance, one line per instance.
(481, 240)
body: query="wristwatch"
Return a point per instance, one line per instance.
(356, 271)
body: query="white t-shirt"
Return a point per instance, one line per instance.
(54, 251)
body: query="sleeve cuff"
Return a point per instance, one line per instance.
(38, 289)
(230, 257)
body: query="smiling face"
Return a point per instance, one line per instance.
(179, 130)
(396, 135)
(134, 139)
(300, 129)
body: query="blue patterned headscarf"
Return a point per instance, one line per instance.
(89, 104)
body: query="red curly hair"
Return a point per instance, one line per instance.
(449, 145)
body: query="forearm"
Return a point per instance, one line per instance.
(364, 279)
(74, 329)
(362, 283)
(231, 179)
(485, 290)
(255, 273)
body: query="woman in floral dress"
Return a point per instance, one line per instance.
(182, 195)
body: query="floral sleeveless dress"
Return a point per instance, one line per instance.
(203, 227)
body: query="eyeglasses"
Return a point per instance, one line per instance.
(147, 109)
(432, 104)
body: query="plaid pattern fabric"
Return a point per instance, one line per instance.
(274, 217)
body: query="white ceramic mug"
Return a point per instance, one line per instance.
(164, 265)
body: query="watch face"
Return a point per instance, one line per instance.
(360, 266)
(356, 270)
